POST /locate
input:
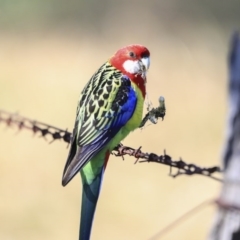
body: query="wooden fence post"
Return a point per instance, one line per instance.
(226, 225)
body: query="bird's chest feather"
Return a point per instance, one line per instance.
(136, 118)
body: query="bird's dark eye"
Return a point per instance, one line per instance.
(132, 54)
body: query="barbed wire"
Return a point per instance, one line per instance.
(14, 119)
(183, 168)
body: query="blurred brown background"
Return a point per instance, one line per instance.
(49, 50)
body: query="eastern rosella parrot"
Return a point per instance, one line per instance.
(109, 108)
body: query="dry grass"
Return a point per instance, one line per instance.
(41, 77)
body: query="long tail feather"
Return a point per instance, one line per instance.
(90, 195)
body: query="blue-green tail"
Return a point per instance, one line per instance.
(90, 195)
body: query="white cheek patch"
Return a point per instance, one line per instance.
(132, 67)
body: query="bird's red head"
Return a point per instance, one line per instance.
(133, 61)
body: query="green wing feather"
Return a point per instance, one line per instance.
(107, 102)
